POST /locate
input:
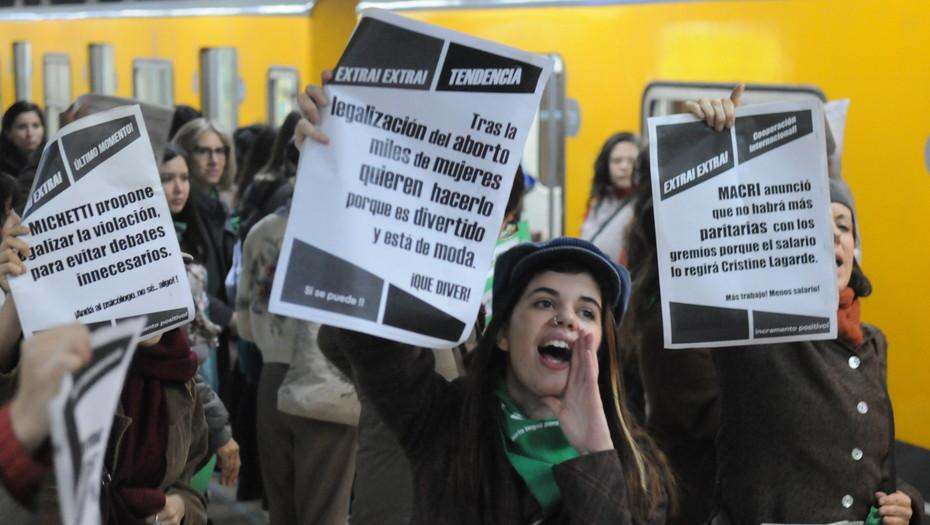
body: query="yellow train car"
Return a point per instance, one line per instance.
(240, 61)
(626, 60)
(619, 62)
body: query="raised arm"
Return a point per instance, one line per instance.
(412, 399)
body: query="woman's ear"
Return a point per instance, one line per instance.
(501, 339)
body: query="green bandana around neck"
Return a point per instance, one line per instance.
(179, 228)
(533, 447)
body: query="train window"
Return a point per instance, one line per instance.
(153, 81)
(220, 86)
(283, 86)
(102, 69)
(667, 98)
(22, 70)
(56, 72)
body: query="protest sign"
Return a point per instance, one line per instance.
(81, 416)
(393, 225)
(103, 245)
(743, 227)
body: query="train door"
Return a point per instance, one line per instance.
(56, 76)
(283, 87)
(102, 69)
(153, 81)
(22, 70)
(544, 156)
(220, 87)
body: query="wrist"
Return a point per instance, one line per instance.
(26, 429)
(599, 445)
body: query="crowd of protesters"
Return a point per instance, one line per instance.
(564, 408)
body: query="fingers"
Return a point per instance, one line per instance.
(68, 346)
(720, 117)
(737, 94)
(729, 111)
(895, 508)
(708, 110)
(897, 498)
(14, 230)
(16, 244)
(12, 219)
(10, 263)
(305, 130)
(230, 472)
(308, 107)
(317, 96)
(695, 109)
(719, 114)
(310, 101)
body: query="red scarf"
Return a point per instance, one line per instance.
(847, 318)
(141, 464)
(622, 194)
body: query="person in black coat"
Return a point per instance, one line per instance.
(806, 428)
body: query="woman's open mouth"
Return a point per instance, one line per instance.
(555, 354)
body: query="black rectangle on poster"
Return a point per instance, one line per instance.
(384, 55)
(407, 312)
(696, 323)
(689, 154)
(469, 69)
(758, 134)
(88, 148)
(317, 279)
(155, 321)
(50, 180)
(774, 324)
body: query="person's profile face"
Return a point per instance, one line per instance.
(175, 181)
(844, 243)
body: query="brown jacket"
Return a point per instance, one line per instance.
(806, 431)
(186, 451)
(423, 410)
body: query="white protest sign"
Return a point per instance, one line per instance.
(81, 416)
(102, 240)
(743, 227)
(393, 225)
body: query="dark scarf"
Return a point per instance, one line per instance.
(622, 194)
(847, 319)
(142, 463)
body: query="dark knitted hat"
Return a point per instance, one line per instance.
(840, 193)
(528, 258)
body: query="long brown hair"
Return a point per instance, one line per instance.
(643, 259)
(474, 477)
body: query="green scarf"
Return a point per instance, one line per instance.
(533, 447)
(179, 228)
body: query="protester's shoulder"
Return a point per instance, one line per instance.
(872, 333)
(271, 227)
(270, 224)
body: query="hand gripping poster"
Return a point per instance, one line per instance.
(81, 417)
(393, 224)
(102, 242)
(744, 231)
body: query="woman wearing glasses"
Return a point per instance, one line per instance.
(210, 154)
(209, 158)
